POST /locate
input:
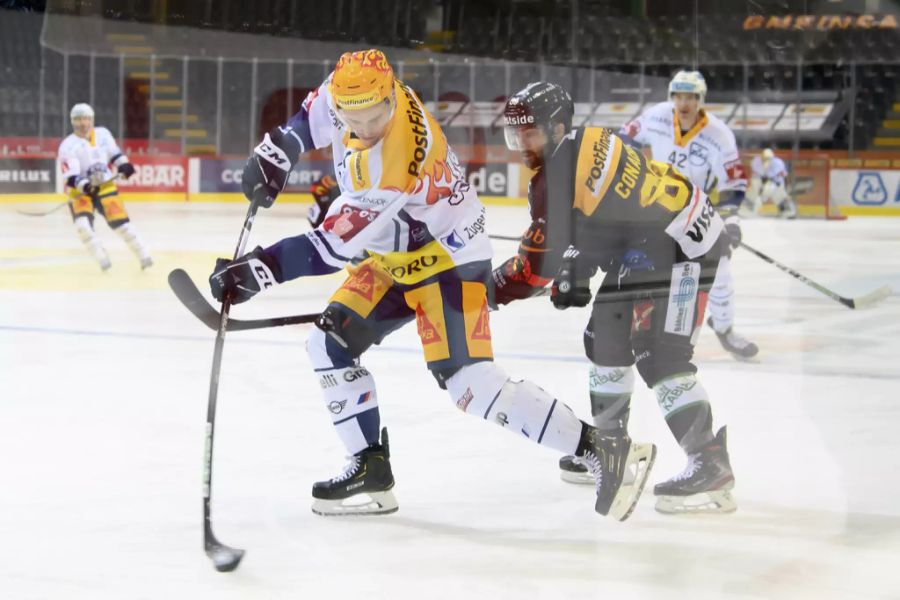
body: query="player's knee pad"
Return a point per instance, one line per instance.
(325, 353)
(344, 337)
(476, 388)
(661, 359)
(605, 351)
(118, 224)
(126, 231)
(610, 391)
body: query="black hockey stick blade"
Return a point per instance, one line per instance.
(185, 290)
(224, 558)
(189, 295)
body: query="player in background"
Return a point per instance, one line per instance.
(767, 184)
(597, 203)
(90, 162)
(405, 199)
(702, 148)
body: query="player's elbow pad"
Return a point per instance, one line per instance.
(299, 126)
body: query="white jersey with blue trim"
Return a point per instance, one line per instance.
(775, 170)
(405, 199)
(90, 157)
(706, 154)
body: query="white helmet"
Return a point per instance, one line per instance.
(767, 155)
(688, 82)
(82, 109)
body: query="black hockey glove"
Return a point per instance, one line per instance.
(244, 277)
(571, 287)
(126, 170)
(733, 231)
(82, 184)
(268, 167)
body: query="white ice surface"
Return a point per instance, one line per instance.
(104, 389)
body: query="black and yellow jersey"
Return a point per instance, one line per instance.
(604, 197)
(613, 181)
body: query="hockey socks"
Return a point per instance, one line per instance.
(686, 409)
(353, 405)
(484, 390)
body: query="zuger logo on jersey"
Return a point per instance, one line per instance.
(682, 298)
(477, 227)
(453, 241)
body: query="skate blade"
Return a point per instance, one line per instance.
(715, 502)
(637, 469)
(375, 503)
(581, 478)
(586, 478)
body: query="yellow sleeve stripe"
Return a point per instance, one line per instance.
(611, 170)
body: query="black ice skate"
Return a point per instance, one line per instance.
(611, 460)
(737, 345)
(364, 488)
(704, 486)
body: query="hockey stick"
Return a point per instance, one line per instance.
(224, 558)
(42, 213)
(506, 238)
(860, 302)
(187, 292)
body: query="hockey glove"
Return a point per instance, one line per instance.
(82, 185)
(733, 231)
(126, 170)
(570, 287)
(243, 278)
(268, 167)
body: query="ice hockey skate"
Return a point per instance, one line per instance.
(364, 488)
(737, 345)
(571, 471)
(704, 486)
(620, 468)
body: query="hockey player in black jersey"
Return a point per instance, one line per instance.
(597, 203)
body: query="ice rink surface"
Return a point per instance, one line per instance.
(103, 405)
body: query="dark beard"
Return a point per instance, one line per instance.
(532, 160)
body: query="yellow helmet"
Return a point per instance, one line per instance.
(361, 79)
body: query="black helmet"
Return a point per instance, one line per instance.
(539, 104)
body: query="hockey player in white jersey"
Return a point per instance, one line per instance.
(91, 161)
(767, 184)
(404, 198)
(702, 148)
